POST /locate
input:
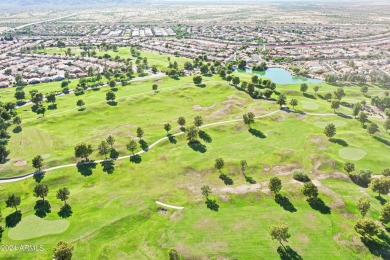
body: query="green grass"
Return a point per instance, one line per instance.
(352, 154)
(115, 215)
(33, 227)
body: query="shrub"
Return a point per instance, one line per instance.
(301, 175)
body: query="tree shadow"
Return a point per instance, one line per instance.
(172, 139)
(136, 158)
(81, 109)
(339, 141)
(212, 204)
(257, 133)
(226, 179)
(52, 107)
(205, 136)
(65, 211)
(197, 146)
(319, 205)
(287, 253)
(202, 85)
(381, 200)
(383, 141)
(42, 208)
(250, 179)
(144, 145)
(13, 219)
(355, 179)
(85, 169)
(112, 103)
(182, 128)
(285, 203)
(38, 176)
(114, 153)
(108, 166)
(344, 115)
(309, 96)
(17, 129)
(378, 247)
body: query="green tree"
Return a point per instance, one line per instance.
(335, 104)
(80, 103)
(51, 98)
(3, 153)
(197, 79)
(349, 167)
(281, 100)
(20, 95)
(206, 190)
(154, 87)
(192, 134)
(173, 254)
(63, 194)
(310, 190)
(364, 90)
(198, 121)
(104, 149)
(41, 110)
(366, 227)
(17, 120)
(294, 102)
(83, 150)
(330, 130)
(235, 80)
(385, 213)
(111, 141)
(339, 93)
(167, 127)
(112, 84)
(356, 109)
(219, 164)
(363, 204)
(387, 124)
(380, 185)
(386, 172)
(372, 128)
(316, 88)
(280, 233)
(63, 251)
(132, 146)
(304, 88)
(362, 117)
(275, 185)
(255, 79)
(13, 201)
(328, 96)
(140, 133)
(37, 162)
(244, 166)
(181, 121)
(110, 96)
(41, 191)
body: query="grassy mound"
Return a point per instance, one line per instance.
(352, 154)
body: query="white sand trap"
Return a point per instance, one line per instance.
(310, 105)
(352, 154)
(335, 122)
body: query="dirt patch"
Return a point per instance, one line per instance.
(45, 156)
(303, 238)
(317, 139)
(158, 81)
(283, 170)
(176, 216)
(162, 211)
(163, 158)
(199, 107)
(20, 163)
(334, 175)
(242, 189)
(355, 240)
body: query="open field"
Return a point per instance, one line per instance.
(114, 214)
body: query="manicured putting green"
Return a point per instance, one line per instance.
(352, 154)
(33, 226)
(310, 105)
(335, 122)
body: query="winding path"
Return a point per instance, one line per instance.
(168, 206)
(23, 177)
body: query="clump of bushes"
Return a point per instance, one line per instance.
(301, 175)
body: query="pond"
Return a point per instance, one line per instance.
(282, 76)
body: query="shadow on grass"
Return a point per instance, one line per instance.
(309, 96)
(355, 179)
(144, 145)
(197, 146)
(257, 133)
(85, 169)
(205, 136)
(378, 247)
(65, 211)
(202, 85)
(226, 179)
(319, 205)
(136, 158)
(38, 176)
(339, 141)
(17, 129)
(114, 153)
(81, 109)
(172, 139)
(285, 203)
(344, 115)
(13, 219)
(52, 107)
(212, 204)
(182, 128)
(383, 141)
(381, 200)
(250, 179)
(42, 208)
(287, 253)
(112, 103)
(108, 166)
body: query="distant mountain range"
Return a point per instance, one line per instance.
(67, 2)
